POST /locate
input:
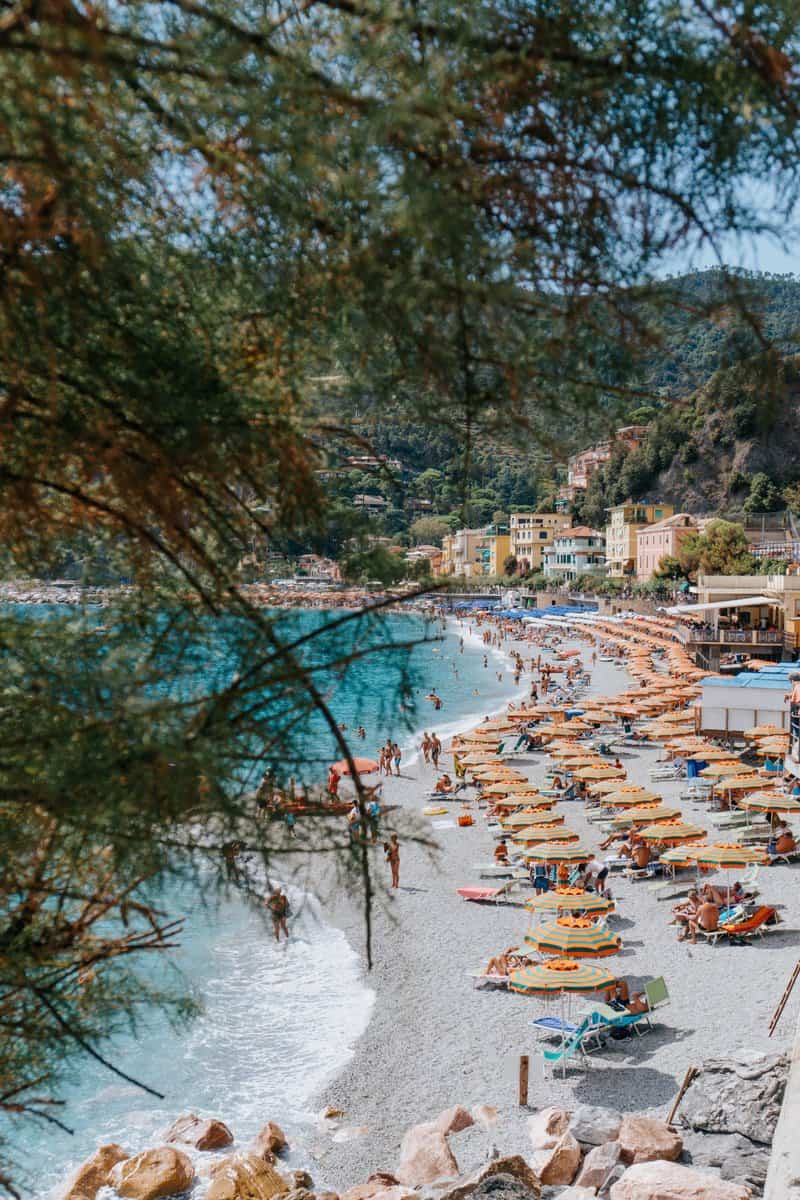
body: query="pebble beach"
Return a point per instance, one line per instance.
(435, 1040)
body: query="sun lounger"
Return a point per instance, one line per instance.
(489, 895)
(483, 980)
(495, 870)
(757, 924)
(792, 856)
(666, 772)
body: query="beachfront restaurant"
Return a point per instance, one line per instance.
(753, 623)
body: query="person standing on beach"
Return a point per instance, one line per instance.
(391, 851)
(397, 756)
(436, 750)
(426, 747)
(278, 905)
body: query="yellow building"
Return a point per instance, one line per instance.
(491, 551)
(624, 522)
(532, 533)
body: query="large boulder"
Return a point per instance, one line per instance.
(202, 1133)
(574, 1192)
(453, 1120)
(245, 1177)
(547, 1126)
(598, 1165)
(425, 1156)
(671, 1181)
(163, 1171)
(269, 1141)
(501, 1179)
(559, 1164)
(593, 1126)
(94, 1173)
(646, 1139)
(742, 1094)
(730, 1154)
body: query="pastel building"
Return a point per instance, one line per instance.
(661, 540)
(531, 534)
(624, 523)
(576, 551)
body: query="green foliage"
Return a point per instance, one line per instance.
(510, 565)
(375, 563)
(764, 495)
(429, 531)
(720, 550)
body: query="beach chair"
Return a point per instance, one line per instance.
(792, 856)
(490, 895)
(482, 980)
(665, 773)
(571, 1047)
(610, 1019)
(756, 925)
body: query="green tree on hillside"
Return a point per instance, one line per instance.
(720, 550)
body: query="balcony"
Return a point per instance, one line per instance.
(730, 637)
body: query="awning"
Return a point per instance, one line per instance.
(751, 601)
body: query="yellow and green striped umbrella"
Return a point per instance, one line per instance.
(728, 856)
(758, 731)
(646, 814)
(675, 833)
(533, 835)
(628, 797)
(719, 770)
(576, 937)
(568, 899)
(540, 818)
(518, 820)
(769, 802)
(678, 856)
(558, 852)
(594, 774)
(743, 783)
(560, 975)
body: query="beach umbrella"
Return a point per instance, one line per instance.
(678, 856)
(560, 975)
(477, 758)
(569, 899)
(576, 937)
(646, 814)
(710, 754)
(497, 774)
(627, 797)
(537, 820)
(518, 820)
(743, 783)
(363, 766)
(604, 787)
(772, 747)
(673, 834)
(584, 760)
(543, 833)
(595, 773)
(769, 802)
(497, 725)
(757, 731)
(719, 770)
(728, 856)
(558, 852)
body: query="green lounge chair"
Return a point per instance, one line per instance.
(573, 1046)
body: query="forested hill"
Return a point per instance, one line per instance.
(715, 382)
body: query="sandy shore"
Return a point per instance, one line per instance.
(434, 1040)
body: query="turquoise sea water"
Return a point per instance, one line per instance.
(263, 1046)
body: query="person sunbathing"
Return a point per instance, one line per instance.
(444, 784)
(501, 852)
(686, 912)
(706, 918)
(619, 997)
(784, 844)
(503, 964)
(619, 835)
(709, 892)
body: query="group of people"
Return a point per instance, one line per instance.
(389, 755)
(431, 748)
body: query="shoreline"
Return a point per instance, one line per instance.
(434, 1041)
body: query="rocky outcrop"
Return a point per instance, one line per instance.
(560, 1163)
(425, 1156)
(731, 1155)
(593, 1126)
(741, 1094)
(94, 1173)
(202, 1133)
(163, 1171)
(245, 1177)
(671, 1181)
(598, 1165)
(547, 1126)
(377, 1189)
(645, 1139)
